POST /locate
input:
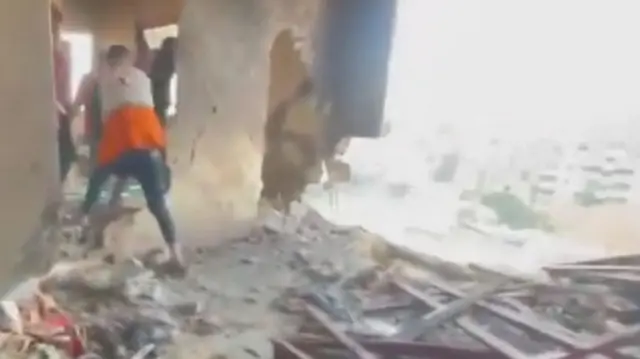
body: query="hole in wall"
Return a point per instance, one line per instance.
(292, 130)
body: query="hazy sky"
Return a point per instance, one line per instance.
(527, 64)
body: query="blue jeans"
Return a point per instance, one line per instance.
(149, 169)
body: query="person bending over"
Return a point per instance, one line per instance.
(133, 142)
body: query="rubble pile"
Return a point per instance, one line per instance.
(316, 290)
(90, 309)
(428, 308)
(132, 308)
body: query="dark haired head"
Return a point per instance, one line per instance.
(168, 44)
(116, 54)
(164, 64)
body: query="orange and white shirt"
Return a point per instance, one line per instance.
(123, 87)
(129, 118)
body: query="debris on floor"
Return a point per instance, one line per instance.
(317, 290)
(439, 310)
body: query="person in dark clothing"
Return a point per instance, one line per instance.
(88, 97)
(148, 168)
(132, 143)
(162, 71)
(160, 67)
(62, 77)
(66, 148)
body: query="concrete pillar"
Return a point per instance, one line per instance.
(113, 23)
(28, 152)
(216, 144)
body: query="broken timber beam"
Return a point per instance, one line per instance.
(470, 327)
(629, 278)
(292, 350)
(609, 346)
(343, 338)
(626, 259)
(418, 326)
(596, 268)
(552, 331)
(390, 349)
(430, 263)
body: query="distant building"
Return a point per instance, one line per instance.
(590, 174)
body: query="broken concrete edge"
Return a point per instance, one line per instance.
(387, 253)
(383, 252)
(38, 252)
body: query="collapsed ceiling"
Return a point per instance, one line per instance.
(149, 13)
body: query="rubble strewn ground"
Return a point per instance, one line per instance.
(322, 291)
(228, 290)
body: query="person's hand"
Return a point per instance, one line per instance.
(61, 109)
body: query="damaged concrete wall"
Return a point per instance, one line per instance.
(78, 14)
(28, 158)
(154, 13)
(113, 23)
(217, 141)
(113, 20)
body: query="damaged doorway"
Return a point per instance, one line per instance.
(292, 129)
(155, 37)
(81, 56)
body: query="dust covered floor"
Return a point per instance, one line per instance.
(313, 287)
(239, 282)
(237, 289)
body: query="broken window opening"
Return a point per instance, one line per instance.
(81, 56)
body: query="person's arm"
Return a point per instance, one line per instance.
(60, 108)
(62, 77)
(84, 92)
(143, 52)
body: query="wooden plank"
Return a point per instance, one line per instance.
(416, 327)
(608, 278)
(525, 283)
(608, 346)
(292, 349)
(491, 272)
(432, 264)
(395, 349)
(466, 324)
(386, 306)
(626, 259)
(489, 339)
(595, 268)
(623, 277)
(552, 331)
(350, 344)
